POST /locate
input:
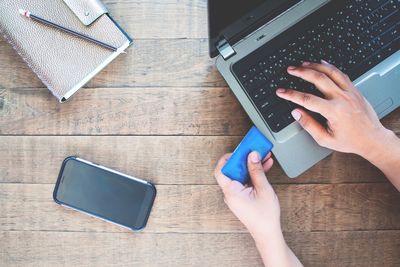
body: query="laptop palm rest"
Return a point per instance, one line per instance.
(382, 91)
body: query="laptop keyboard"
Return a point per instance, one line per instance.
(355, 36)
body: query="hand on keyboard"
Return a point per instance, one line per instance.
(352, 124)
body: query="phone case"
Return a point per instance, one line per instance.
(110, 170)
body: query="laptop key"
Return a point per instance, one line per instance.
(260, 79)
(278, 116)
(244, 77)
(288, 118)
(268, 102)
(253, 71)
(260, 95)
(276, 124)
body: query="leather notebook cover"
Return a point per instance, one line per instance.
(63, 62)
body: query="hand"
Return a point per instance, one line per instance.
(352, 124)
(256, 206)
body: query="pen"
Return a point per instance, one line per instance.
(28, 14)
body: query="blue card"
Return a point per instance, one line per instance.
(236, 167)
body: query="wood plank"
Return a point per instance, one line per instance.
(376, 248)
(161, 159)
(129, 111)
(196, 208)
(161, 19)
(124, 111)
(148, 63)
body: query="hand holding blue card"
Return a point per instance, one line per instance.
(236, 167)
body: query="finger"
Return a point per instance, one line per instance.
(309, 101)
(222, 180)
(337, 76)
(314, 128)
(319, 79)
(256, 171)
(268, 165)
(267, 157)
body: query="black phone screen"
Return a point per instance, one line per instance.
(104, 193)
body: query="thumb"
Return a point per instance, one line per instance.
(256, 171)
(314, 128)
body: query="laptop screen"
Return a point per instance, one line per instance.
(232, 19)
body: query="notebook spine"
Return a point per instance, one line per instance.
(28, 62)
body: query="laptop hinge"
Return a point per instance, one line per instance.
(225, 49)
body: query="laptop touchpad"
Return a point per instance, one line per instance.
(383, 106)
(380, 91)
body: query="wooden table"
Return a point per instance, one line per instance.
(162, 112)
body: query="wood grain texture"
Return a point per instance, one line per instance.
(200, 209)
(162, 18)
(330, 249)
(162, 112)
(148, 63)
(124, 111)
(129, 111)
(161, 159)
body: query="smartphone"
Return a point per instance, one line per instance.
(104, 193)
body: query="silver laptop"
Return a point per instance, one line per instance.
(256, 40)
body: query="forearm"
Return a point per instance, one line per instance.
(385, 154)
(274, 250)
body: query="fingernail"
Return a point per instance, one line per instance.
(280, 91)
(306, 63)
(296, 115)
(254, 157)
(325, 62)
(291, 68)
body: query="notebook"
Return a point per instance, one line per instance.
(63, 62)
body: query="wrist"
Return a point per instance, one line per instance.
(268, 237)
(374, 150)
(273, 249)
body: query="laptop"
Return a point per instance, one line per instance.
(256, 40)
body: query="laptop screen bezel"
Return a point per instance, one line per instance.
(246, 24)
